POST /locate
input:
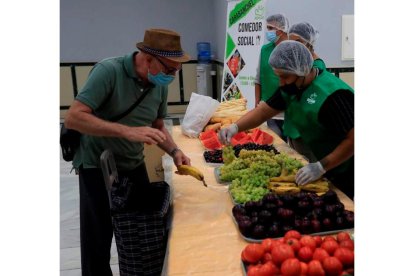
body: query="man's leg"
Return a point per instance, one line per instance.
(95, 224)
(276, 126)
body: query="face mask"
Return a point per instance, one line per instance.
(160, 78)
(291, 88)
(271, 36)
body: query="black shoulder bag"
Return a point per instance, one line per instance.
(70, 138)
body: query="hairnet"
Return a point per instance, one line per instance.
(279, 21)
(291, 57)
(305, 31)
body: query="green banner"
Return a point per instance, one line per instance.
(240, 10)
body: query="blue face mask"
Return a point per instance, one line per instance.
(271, 36)
(160, 78)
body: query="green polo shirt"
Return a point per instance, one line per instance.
(116, 78)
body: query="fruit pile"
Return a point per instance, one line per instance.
(300, 255)
(274, 215)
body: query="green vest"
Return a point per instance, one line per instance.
(288, 129)
(304, 113)
(269, 82)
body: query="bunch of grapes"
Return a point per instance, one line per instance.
(228, 154)
(254, 146)
(289, 164)
(247, 189)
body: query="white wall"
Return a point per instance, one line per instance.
(91, 30)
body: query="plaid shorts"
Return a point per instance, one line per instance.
(141, 236)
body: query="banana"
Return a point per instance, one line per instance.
(314, 188)
(281, 184)
(190, 170)
(283, 190)
(283, 178)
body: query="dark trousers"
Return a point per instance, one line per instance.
(95, 217)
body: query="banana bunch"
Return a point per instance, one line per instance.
(316, 187)
(285, 184)
(190, 170)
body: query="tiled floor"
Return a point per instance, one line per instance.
(69, 219)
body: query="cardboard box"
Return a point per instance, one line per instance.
(153, 161)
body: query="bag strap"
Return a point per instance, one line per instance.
(120, 116)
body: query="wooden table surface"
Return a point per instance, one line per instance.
(204, 240)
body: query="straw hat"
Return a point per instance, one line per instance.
(163, 43)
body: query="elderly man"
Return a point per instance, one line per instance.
(321, 108)
(113, 86)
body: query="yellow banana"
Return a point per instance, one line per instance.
(283, 178)
(283, 190)
(190, 170)
(281, 184)
(314, 188)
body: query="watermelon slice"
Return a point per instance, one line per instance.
(212, 143)
(207, 134)
(256, 135)
(266, 139)
(236, 138)
(245, 140)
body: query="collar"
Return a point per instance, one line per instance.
(130, 69)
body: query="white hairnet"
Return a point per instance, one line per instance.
(305, 31)
(279, 21)
(291, 57)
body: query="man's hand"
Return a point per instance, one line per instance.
(181, 159)
(226, 134)
(148, 135)
(309, 173)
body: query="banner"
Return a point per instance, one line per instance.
(246, 25)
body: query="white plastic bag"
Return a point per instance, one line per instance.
(198, 113)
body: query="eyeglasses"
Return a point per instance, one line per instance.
(170, 70)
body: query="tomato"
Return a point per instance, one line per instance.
(307, 240)
(315, 268)
(294, 243)
(347, 244)
(320, 254)
(345, 255)
(243, 257)
(342, 236)
(267, 257)
(318, 240)
(332, 266)
(267, 244)
(330, 246)
(303, 268)
(305, 254)
(291, 267)
(282, 252)
(269, 269)
(254, 270)
(329, 238)
(253, 252)
(293, 234)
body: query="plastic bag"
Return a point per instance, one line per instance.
(198, 113)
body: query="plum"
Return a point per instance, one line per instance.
(258, 231)
(238, 210)
(245, 227)
(316, 225)
(265, 217)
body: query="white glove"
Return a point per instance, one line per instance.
(309, 173)
(227, 133)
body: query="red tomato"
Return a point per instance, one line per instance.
(332, 266)
(305, 254)
(329, 238)
(253, 252)
(318, 240)
(294, 243)
(330, 246)
(320, 254)
(267, 244)
(315, 268)
(342, 236)
(293, 234)
(267, 257)
(282, 252)
(243, 257)
(254, 270)
(269, 269)
(303, 268)
(307, 240)
(347, 244)
(291, 267)
(345, 255)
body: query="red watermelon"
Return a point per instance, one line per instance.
(212, 143)
(207, 134)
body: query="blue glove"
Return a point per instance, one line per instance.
(226, 134)
(309, 173)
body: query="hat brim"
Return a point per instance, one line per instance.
(184, 58)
